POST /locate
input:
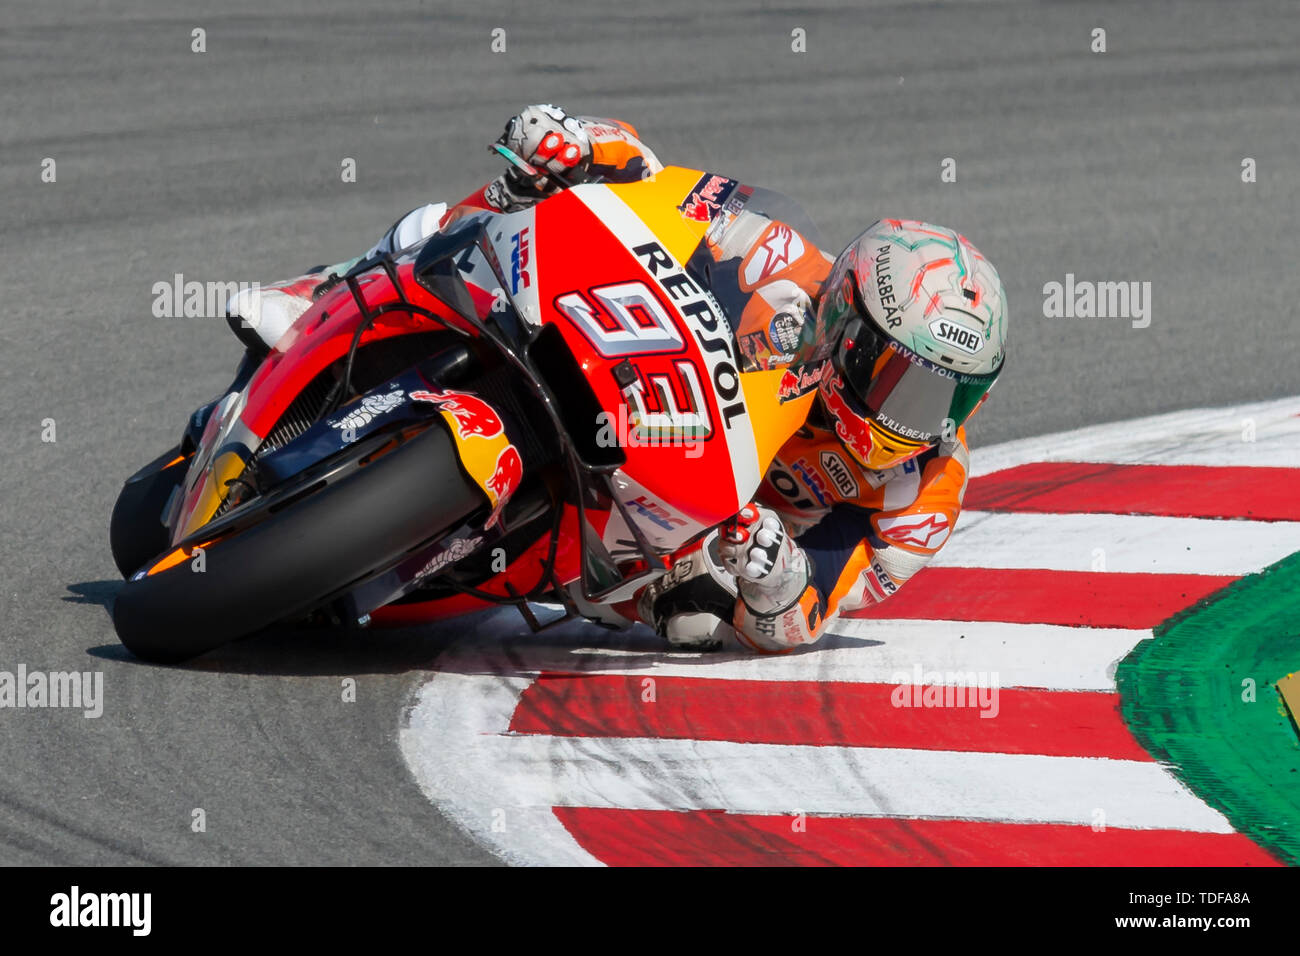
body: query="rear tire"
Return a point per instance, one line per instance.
(298, 557)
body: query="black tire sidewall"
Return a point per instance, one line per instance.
(135, 531)
(294, 559)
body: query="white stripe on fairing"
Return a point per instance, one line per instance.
(527, 773)
(1043, 656)
(1207, 436)
(1130, 543)
(630, 230)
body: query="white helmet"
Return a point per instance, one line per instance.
(916, 318)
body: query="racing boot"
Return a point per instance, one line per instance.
(260, 315)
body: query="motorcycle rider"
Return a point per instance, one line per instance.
(904, 333)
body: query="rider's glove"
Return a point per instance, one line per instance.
(772, 570)
(511, 192)
(553, 143)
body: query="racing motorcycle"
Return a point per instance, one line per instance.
(433, 436)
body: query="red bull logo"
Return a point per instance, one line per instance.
(697, 209)
(504, 481)
(715, 190)
(850, 427)
(704, 201)
(473, 415)
(801, 381)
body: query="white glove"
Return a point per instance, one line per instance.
(549, 140)
(771, 568)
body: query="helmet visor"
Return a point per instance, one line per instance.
(910, 396)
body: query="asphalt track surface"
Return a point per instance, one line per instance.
(225, 166)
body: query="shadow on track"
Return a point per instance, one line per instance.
(316, 651)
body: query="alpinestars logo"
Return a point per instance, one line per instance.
(927, 531)
(778, 249)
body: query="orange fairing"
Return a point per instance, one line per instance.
(774, 421)
(736, 416)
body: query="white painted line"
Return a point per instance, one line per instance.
(652, 774)
(1022, 655)
(533, 771)
(1262, 434)
(500, 788)
(1122, 543)
(1042, 656)
(449, 743)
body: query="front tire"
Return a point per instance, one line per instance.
(136, 531)
(299, 556)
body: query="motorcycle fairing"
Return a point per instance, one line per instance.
(635, 236)
(499, 278)
(237, 428)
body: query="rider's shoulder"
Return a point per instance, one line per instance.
(954, 449)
